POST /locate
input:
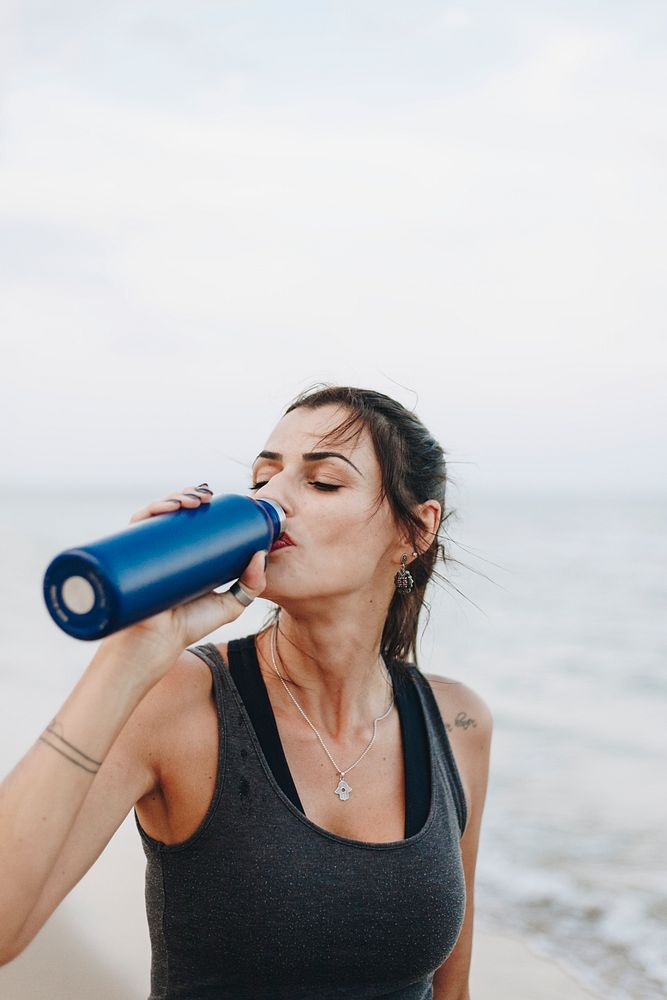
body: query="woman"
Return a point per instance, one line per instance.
(310, 827)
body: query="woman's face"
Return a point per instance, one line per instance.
(340, 547)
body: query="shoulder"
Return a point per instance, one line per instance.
(171, 705)
(469, 724)
(461, 707)
(188, 687)
(187, 682)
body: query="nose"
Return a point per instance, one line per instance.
(275, 491)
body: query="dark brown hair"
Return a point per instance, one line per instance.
(413, 470)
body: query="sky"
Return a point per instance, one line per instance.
(205, 208)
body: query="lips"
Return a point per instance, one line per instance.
(282, 543)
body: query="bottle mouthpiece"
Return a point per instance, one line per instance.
(279, 513)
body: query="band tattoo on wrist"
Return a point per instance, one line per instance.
(52, 730)
(91, 770)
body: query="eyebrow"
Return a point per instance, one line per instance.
(309, 456)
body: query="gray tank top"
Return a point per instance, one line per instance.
(259, 903)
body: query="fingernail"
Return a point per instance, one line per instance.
(200, 490)
(202, 484)
(173, 501)
(193, 495)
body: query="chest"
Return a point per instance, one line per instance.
(374, 810)
(375, 807)
(263, 900)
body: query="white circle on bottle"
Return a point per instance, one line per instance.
(78, 595)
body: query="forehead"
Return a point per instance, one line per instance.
(302, 429)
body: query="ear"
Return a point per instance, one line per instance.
(429, 514)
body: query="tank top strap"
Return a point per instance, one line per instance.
(445, 759)
(210, 654)
(235, 733)
(246, 674)
(239, 738)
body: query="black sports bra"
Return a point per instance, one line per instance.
(247, 676)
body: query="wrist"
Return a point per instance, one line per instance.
(133, 664)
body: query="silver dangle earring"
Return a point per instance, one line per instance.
(404, 579)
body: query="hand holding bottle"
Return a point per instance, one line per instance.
(157, 641)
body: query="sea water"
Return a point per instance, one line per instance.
(567, 644)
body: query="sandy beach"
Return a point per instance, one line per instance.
(505, 968)
(55, 966)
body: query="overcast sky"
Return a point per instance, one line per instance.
(206, 207)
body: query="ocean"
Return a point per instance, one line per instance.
(568, 646)
(554, 612)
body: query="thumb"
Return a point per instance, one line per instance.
(205, 614)
(253, 578)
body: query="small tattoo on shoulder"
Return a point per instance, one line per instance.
(462, 721)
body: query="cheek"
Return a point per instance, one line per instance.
(347, 523)
(341, 520)
(351, 535)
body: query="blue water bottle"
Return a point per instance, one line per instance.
(97, 589)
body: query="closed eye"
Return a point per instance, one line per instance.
(319, 486)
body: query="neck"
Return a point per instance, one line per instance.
(333, 670)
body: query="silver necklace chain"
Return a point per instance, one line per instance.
(343, 790)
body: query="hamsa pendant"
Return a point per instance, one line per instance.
(343, 790)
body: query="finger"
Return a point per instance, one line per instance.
(253, 578)
(202, 493)
(242, 595)
(210, 612)
(191, 497)
(251, 583)
(169, 504)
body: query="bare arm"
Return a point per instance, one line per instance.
(41, 798)
(472, 748)
(67, 796)
(130, 772)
